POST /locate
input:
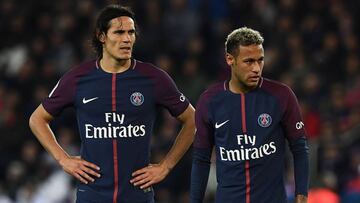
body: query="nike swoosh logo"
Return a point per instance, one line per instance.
(221, 124)
(85, 101)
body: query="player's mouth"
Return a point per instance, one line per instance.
(254, 78)
(126, 49)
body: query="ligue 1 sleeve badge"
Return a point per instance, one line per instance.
(264, 120)
(137, 98)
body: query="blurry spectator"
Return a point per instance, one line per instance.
(190, 72)
(328, 150)
(322, 195)
(351, 191)
(15, 174)
(312, 120)
(165, 62)
(30, 157)
(311, 90)
(352, 70)
(12, 59)
(177, 31)
(337, 110)
(3, 196)
(325, 193)
(152, 32)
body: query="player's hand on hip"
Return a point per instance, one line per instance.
(149, 175)
(82, 170)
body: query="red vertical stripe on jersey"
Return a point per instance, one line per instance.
(113, 92)
(243, 113)
(247, 163)
(115, 153)
(116, 175)
(247, 171)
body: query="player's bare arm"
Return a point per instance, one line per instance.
(155, 173)
(82, 170)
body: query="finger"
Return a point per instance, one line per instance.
(138, 178)
(142, 181)
(140, 171)
(153, 179)
(91, 172)
(91, 165)
(81, 179)
(147, 184)
(86, 176)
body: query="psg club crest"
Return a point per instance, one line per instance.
(264, 120)
(137, 98)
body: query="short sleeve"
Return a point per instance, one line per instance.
(169, 96)
(292, 119)
(204, 129)
(61, 96)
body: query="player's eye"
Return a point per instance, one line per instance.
(119, 32)
(249, 62)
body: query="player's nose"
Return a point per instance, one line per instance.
(256, 67)
(126, 38)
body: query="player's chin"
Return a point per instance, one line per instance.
(124, 57)
(252, 83)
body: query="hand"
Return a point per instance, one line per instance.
(300, 199)
(82, 170)
(149, 175)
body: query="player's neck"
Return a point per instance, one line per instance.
(237, 87)
(112, 65)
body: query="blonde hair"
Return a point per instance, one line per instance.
(242, 36)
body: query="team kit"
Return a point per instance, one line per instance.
(247, 120)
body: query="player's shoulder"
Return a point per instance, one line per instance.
(160, 77)
(213, 90)
(275, 87)
(148, 69)
(80, 69)
(282, 92)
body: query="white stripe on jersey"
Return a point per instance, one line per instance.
(53, 90)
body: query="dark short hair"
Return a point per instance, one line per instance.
(103, 23)
(242, 36)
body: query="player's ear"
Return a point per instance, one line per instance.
(229, 59)
(101, 37)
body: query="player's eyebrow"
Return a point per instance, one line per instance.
(122, 30)
(261, 58)
(253, 59)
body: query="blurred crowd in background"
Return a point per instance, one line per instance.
(311, 45)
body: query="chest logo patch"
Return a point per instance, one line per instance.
(137, 98)
(264, 120)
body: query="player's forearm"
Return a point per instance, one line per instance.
(183, 140)
(180, 146)
(41, 129)
(300, 152)
(199, 174)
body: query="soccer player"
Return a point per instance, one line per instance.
(115, 98)
(247, 119)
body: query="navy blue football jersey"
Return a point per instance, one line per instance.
(248, 132)
(115, 114)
